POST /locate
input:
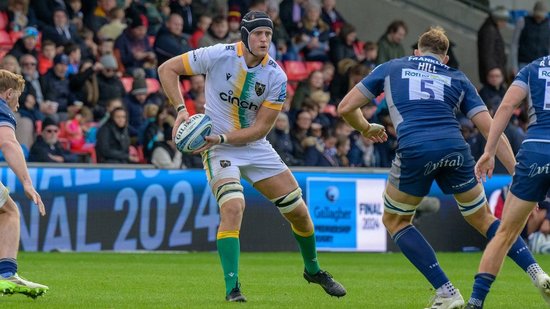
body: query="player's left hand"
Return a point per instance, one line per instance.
(376, 133)
(484, 167)
(211, 140)
(31, 193)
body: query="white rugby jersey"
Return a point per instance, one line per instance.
(234, 92)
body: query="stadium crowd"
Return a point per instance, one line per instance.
(92, 92)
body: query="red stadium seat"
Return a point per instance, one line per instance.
(186, 85)
(127, 83)
(4, 21)
(5, 40)
(296, 70)
(313, 66)
(153, 85)
(15, 35)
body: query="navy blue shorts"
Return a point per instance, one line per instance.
(532, 178)
(449, 162)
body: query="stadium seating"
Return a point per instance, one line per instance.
(5, 40)
(313, 66)
(127, 83)
(153, 85)
(295, 70)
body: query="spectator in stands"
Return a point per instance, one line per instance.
(99, 17)
(10, 63)
(370, 52)
(362, 152)
(196, 88)
(74, 53)
(45, 57)
(314, 35)
(341, 86)
(61, 32)
(493, 91)
(305, 88)
(56, 88)
(109, 83)
(390, 44)
(328, 70)
(116, 25)
(28, 108)
(341, 46)
(84, 84)
(47, 148)
(165, 155)
(113, 141)
(490, 44)
(257, 5)
(30, 73)
(133, 47)
(151, 129)
(26, 116)
(184, 9)
(322, 153)
(234, 25)
(89, 46)
(202, 27)
(170, 41)
(200, 103)
(291, 12)
(26, 44)
(387, 149)
(280, 139)
(280, 36)
(44, 11)
(342, 150)
(320, 99)
(217, 33)
(332, 17)
(531, 38)
(299, 134)
(75, 14)
(20, 15)
(135, 102)
(111, 105)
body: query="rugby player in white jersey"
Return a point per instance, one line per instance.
(245, 92)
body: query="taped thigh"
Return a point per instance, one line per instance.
(228, 191)
(393, 207)
(289, 202)
(4, 195)
(469, 208)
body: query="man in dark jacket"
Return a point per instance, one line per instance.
(61, 32)
(169, 41)
(56, 86)
(110, 84)
(47, 148)
(490, 44)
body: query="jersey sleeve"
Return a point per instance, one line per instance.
(277, 92)
(7, 120)
(199, 61)
(522, 79)
(471, 103)
(373, 84)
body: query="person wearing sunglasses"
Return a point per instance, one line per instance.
(47, 147)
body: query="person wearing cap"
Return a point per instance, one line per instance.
(26, 44)
(490, 44)
(245, 92)
(134, 48)
(47, 147)
(110, 84)
(170, 41)
(531, 39)
(135, 102)
(56, 88)
(11, 87)
(234, 25)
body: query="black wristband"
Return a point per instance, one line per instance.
(222, 138)
(180, 108)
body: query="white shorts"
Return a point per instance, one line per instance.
(254, 162)
(4, 195)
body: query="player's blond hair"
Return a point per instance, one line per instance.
(11, 80)
(434, 41)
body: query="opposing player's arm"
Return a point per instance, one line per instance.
(16, 161)
(350, 109)
(505, 154)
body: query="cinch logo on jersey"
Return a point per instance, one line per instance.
(228, 97)
(454, 159)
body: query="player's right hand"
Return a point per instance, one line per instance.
(31, 193)
(376, 133)
(484, 167)
(182, 117)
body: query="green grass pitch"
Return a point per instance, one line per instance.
(269, 280)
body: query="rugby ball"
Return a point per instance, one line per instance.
(190, 135)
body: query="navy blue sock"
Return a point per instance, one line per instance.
(8, 267)
(415, 247)
(519, 252)
(482, 285)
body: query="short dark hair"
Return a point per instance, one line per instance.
(395, 25)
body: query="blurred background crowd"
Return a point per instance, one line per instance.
(92, 92)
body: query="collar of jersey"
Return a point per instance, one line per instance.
(240, 46)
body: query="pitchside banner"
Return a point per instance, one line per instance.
(347, 213)
(93, 209)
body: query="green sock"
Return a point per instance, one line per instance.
(229, 250)
(308, 250)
